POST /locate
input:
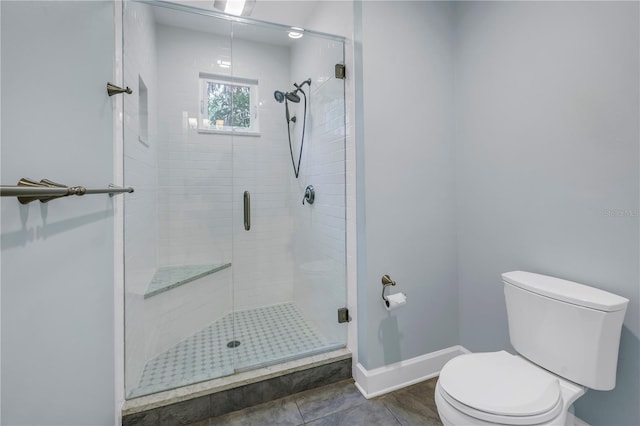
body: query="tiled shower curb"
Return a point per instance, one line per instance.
(219, 402)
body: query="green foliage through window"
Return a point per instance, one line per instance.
(229, 103)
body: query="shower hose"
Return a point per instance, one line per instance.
(296, 169)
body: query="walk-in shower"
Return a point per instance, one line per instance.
(205, 296)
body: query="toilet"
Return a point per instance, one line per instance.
(567, 337)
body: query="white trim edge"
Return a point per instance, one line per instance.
(118, 219)
(376, 382)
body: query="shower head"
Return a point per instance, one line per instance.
(290, 96)
(293, 97)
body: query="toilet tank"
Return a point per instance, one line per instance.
(570, 329)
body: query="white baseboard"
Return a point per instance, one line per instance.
(378, 381)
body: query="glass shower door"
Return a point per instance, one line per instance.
(289, 264)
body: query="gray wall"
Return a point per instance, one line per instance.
(57, 258)
(404, 143)
(533, 107)
(546, 151)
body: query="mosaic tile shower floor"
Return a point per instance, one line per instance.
(266, 335)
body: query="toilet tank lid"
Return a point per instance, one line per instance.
(566, 291)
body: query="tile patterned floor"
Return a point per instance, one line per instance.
(266, 335)
(340, 404)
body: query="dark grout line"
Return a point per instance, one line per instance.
(391, 412)
(295, 400)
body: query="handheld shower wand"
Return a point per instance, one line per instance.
(295, 98)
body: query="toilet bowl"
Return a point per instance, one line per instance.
(497, 388)
(567, 337)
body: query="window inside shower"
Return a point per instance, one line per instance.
(206, 295)
(228, 104)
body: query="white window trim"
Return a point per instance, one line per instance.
(204, 127)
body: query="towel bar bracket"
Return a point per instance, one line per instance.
(28, 190)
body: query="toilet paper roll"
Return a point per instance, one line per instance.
(395, 301)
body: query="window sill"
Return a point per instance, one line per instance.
(228, 132)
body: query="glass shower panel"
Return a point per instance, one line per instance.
(178, 240)
(319, 245)
(289, 266)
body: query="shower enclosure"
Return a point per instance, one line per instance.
(226, 269)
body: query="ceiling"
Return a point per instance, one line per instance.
(290, 13)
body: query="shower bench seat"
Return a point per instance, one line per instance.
(169, 277)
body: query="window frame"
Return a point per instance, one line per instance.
(204, 126)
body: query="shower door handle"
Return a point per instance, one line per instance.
(247, 210)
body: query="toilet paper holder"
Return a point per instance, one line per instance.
(386, 282)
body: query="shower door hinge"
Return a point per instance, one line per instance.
(341, 71)
(343, 315)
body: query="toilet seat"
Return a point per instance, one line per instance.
(500, 388)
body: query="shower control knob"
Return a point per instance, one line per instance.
(309, 194)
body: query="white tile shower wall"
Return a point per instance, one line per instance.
(320, 228)
(262, 257)
(154, 324)
(140, 172)
(202, 177)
